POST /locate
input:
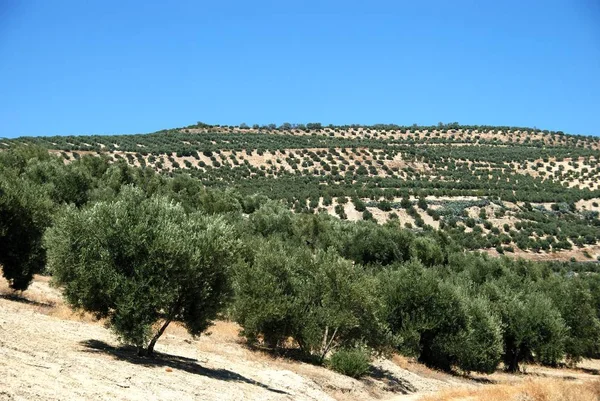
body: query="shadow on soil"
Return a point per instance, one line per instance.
(392, 383)
(190, 365)
(15, 297)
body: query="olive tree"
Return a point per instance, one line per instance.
(319, 299)
(438, 322)
(533, 329)
(142, 263)
(24, 215)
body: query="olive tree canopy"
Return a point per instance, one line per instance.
(142, 263)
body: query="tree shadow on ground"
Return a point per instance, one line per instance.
(589, 371)
(392, 383)
(15, 297)
(291, 354)
(476, 379)
(190, 365)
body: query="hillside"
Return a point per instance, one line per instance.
(51, 353)
(346, 263)
(505, 190)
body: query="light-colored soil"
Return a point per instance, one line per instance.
(579, 254)
(48, 352)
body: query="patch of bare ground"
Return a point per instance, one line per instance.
(588, 253)
(49, 354)
(528, 390)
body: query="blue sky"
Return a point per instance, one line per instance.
(103, 67)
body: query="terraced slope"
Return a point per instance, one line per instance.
(502, 189)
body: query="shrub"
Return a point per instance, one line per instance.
(353, 362)
(385, 206)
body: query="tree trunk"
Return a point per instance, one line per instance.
(513, 367)
(513, 361)
(150, 350)
(327, 343)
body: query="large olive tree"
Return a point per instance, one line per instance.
(142, 264)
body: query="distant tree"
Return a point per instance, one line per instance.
(359, 205)
(139, 262)
(385, 205)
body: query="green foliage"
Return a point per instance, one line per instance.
(272, 218)
(353, 362)
(320, 300)
(479, 347)
(367, 243)
(573, 298)
(385, 206)
(425, 312)
(138, 261)
(25, 211)
(533, 329)
(427, 250)
(324, 282)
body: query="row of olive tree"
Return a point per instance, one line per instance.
(420, 295)
(143, 251)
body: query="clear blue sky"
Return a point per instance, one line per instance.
(86, 67)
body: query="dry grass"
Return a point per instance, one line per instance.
(528, 390)
(43, 299)
(224, 346)
(417, 368)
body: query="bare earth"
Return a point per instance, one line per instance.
(48, 352)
